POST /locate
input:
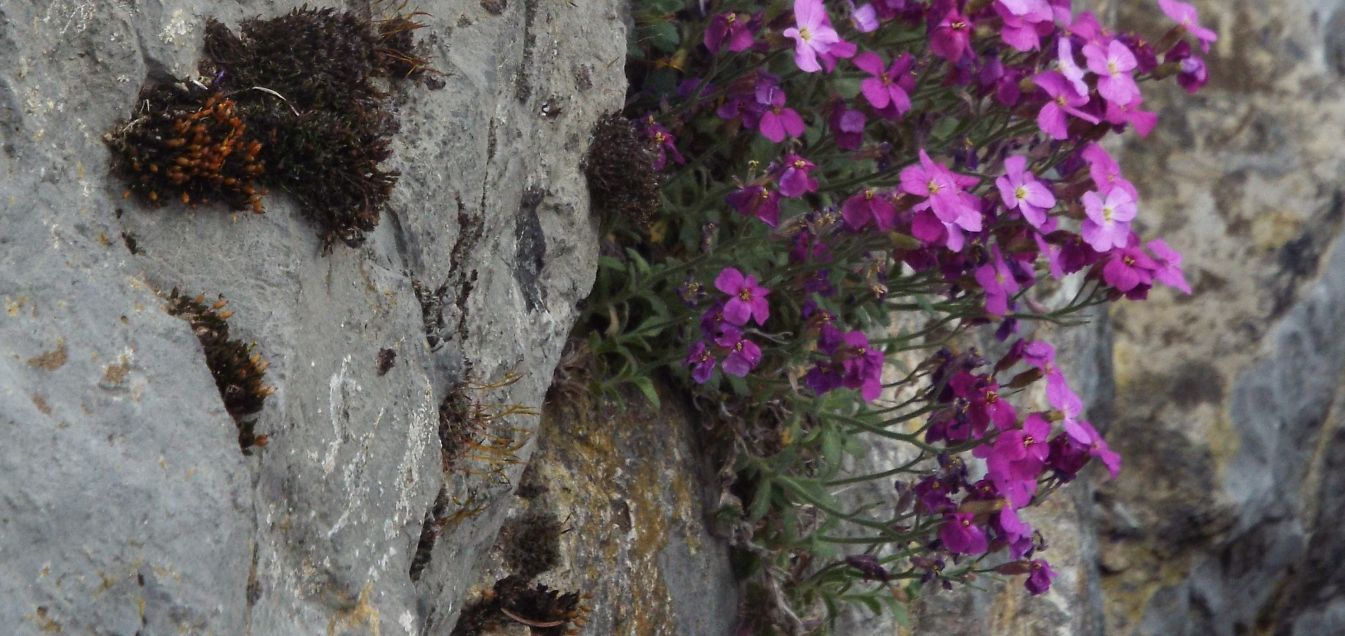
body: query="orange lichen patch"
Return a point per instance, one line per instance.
(361, 614)
(51, 360)
(41, 404)
(115, 374)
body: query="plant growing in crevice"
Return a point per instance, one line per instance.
(290, 102)
(470, 433)
(851, 194)
(546, 612)
(238, 368)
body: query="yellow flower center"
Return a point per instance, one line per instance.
(805, 34)
(1107, 212)
(934, 187)
(746, 295)
(1020, 192)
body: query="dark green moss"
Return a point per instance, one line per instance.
(622, 183)
(289, 101)
(545, 611)
(532, 544)
(238, 369)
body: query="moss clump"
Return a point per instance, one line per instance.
(620, 171)
(291, 102)
(532, 544)
(545, 611)
(237, 367)
(187, 143)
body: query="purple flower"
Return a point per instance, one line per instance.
(795, 176)
(1108, 222)
(1191, 69)
(868, 565)
(1188, 18)
(776, 122)
(1105, 172)
(942, 190)
(951, 36)
(812, 34)
(932, 495)
(756, 200)
(866, 206)
(1025, 21)
(1020, 190)
(701, 361)
(998, 282)
(743, 354)
(1063, 100)
(1060, 396)
(864, 18)
(1113, 66)
(1015, 532)
(1128, 268)
(747, 300)
(1143, 120)
(1069, 67)
(1039, 577)
(1169, 266)
(961, 535)
(847, 126)
(886, 86)
(862, 364)
(729, 27)
(664, 143)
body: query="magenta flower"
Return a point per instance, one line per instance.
(1063, 100)
(812, 34)
(865, 206)
(847, 126)
(664, 143)
(862, 365)
(1039, 577)
(756, 200)
(1143, 120)
(998, 282)
(1061, 397)
(1191, 73)
(951, 36)
(743, 354)
(731, 28)
(961, 535)
(1113, 66)
(1015, 531)
(1169, 266)
(776, 122)
(886, 86)
(1069, 68)
(1025, 22)
(701, 361)
(1020, 190)
(1128, 268)
(1188, 18)
(1104, 170)
(942, 190)
(747, 300)
(795, 176)
(1108, 222)
(864, 18)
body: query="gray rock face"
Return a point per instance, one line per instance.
(127, 505)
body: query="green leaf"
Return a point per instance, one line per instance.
(761, 501)
(662, 36)
(611, 262)
(646, 387)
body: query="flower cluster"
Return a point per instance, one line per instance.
(937, 161)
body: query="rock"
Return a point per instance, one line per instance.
(129, 506)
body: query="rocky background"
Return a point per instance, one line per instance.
(126, 506)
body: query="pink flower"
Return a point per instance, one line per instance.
(1039, 577)
(729, 27)
(758, 201)
(847, 126)
(1069, 68)
(777, 122)
(864, 18)
(961, 535)
(951, 36)
(1169, 263)
(1104, 170)
(795, 176)
(1108, 222)
(1113, 66)
(1025, 22)
(942, 190)
(1063, 100)
(998, 282)
(1143, 120)
(701, 361)
(812, 34)
(1021, 191)
(747, 300)
(865, 206)
(1188, 18)
(1128, 268)
(886, 86)
(743, 354)
(665, 144)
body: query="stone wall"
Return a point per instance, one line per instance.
(127, 506)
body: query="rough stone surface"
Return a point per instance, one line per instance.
(127, 505)
(630, 486)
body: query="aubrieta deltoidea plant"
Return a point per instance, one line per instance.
(852, 192)
(289, 102)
